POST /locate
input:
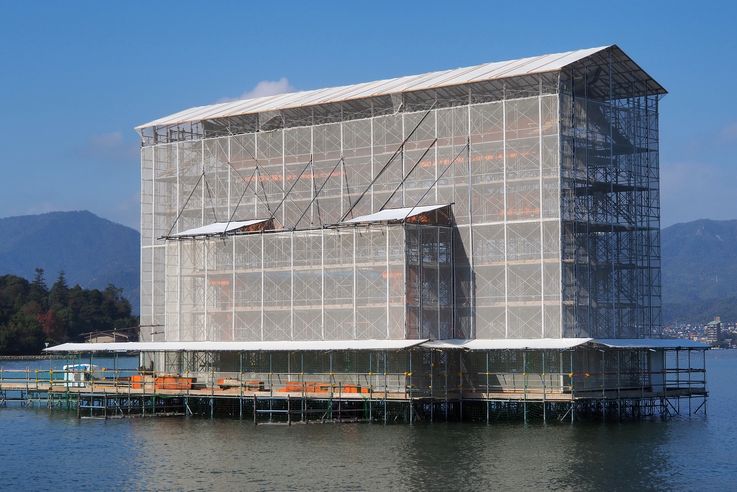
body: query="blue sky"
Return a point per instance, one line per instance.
(76, 77)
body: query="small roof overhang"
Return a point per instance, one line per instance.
(564, 343)
(331, 345)
(218, 228)
(508, 343)
(275, 346)
(395, 215)
(650, 343)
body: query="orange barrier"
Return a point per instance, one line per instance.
(173, 383)
(137, 381)
(352, 388)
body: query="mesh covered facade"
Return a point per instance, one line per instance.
(553, 181)
(369, 282)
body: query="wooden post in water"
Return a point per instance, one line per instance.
(524, 381)
(545, 416)
(240, 385)
(409, 388)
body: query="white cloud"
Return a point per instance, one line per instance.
(264, 88)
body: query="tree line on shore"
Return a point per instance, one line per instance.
(33, 315)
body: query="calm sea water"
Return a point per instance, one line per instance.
(40, 449)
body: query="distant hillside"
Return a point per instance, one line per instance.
(699, 270)
(93, 252)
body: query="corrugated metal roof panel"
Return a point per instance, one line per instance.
(326, 345)
(394, 214)
(508, 343)
(646, 343)
(276, 346)
(431, 80)
(563, 343)
(217, 228)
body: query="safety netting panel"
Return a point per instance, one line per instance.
(146, 279)
(191, 189)
(388, 135)
(331, 284)
(514, 237)
(307, 286)
(356, 171)
(242, 160)
(192, 291)
(146, 319)
(327, 169)
(216, 180)
(171, 291)
(299, 177)
(164, 190)
(269, 175)
(219, 293)
(158, 281)
(147, 193)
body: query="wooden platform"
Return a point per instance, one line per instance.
(113, 388)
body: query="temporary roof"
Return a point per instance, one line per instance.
(661, 343)
(508, 343)
(394, 214)
(563, 343)
(426, 81)
(217, 228)
(328, 345)
(276, 346)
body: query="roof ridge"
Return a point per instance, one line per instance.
(551, 62)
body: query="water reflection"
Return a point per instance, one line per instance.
(183, 453)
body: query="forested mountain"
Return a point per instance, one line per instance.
(699, 270)
(93, 252)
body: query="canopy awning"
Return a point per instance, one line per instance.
(275, 346)
(647, 343)
(564, 343)
(331, 345)
(392, 215)
(508, 343)
(224, 228)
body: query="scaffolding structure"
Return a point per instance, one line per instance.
(425, 382)
(510, 201)
(553, 179)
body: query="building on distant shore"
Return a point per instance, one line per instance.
(482, 234)
(713, 331)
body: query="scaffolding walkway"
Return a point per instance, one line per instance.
(291, 398)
